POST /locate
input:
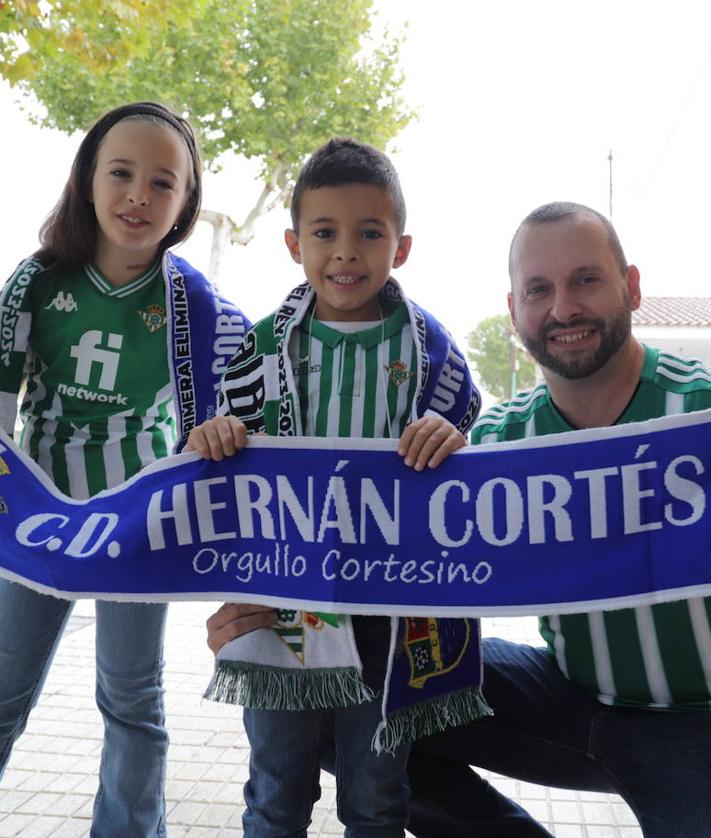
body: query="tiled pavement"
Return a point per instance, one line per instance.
(49, 785)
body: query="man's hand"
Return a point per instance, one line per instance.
(233, 620)
(220, 437)
(429, 441)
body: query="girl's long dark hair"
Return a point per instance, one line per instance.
(68, 236)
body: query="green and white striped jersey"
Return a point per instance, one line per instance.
(355, 379)
(98, 404)
(652, 656)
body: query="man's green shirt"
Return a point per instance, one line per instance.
(655, 656)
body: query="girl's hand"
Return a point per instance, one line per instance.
(220, 437)
(429, 441)
(233, 620)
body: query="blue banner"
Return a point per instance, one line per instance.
(595, 519)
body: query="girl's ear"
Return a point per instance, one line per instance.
(292, 244)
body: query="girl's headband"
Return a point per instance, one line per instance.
(143, 109)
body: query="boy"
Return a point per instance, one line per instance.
(346, 355)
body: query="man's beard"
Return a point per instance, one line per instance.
(613, 333)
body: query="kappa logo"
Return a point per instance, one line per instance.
(153, 318)
(63, 302)
(304, 368)
(399, 373)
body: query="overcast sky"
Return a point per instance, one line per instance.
(520, 103)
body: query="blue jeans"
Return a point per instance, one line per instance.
(547, 731)
(283, 780)
(129, 693)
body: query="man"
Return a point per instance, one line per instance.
(619, 701)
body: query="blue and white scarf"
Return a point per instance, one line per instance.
(582, 521)
(311, 660)
(204, 331)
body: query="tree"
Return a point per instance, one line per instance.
(267, 79)
(108, 32)
(502, 363)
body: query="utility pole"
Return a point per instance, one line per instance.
(609, 159)
(513, 364)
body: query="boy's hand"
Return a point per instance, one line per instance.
(233, 620)
(429, 441)
(217, 438)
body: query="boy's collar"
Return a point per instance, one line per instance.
(373, 335)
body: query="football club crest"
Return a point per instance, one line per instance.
(153, 318)
(293, 625)
(399, 373)
(3, 506)
(4, 467)
(429, 652)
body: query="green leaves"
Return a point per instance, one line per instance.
(502, 364)
(268, 79)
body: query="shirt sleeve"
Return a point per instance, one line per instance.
(15, 327)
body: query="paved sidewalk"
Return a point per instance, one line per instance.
(48, 789)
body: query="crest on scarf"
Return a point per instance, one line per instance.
(3, 506)
(432, 652)
(4, 467)
(399, 373)
(153, 317)
(293, 625)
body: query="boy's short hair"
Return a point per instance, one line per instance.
(341, 161)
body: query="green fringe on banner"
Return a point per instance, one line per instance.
(424, 719)
(274, 688)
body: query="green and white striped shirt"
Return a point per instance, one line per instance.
(98, 405)
(652, 656)
(355, 379)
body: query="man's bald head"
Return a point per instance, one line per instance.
(564, 210)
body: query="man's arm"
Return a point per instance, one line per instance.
(233, 620)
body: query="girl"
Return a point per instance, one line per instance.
(85, 322)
